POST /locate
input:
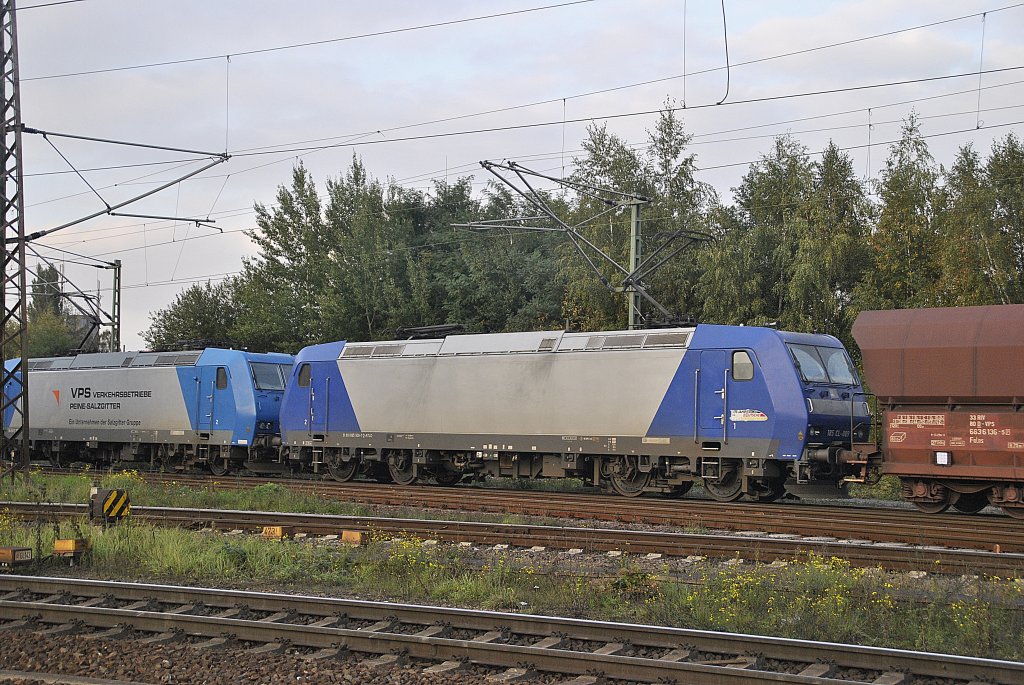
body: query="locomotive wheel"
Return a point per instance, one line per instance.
(776, 489)
(342, 471)
(972, 502)
(679, 490)
(401, 467)
(627, 479)
(219, 467)
(446, 477)
(729, 488)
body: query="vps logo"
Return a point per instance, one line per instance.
(56, 396)
(78, 393)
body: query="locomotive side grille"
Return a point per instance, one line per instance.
(388, 350)
(165, 360)
(362, 351)
(188, 359)
(127, 361)
(595, 342)
(666, 339)
(635, 340)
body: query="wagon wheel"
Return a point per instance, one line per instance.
(942, 498)
(1015, 512)
(728, 488)
(446, 476)
(403, 471)
(627, 479)
(680, 490)
(937, 507)
(971, 502)
(776, 489)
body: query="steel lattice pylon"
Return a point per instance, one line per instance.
(13, 291)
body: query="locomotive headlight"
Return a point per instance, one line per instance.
(814, 432)
(265, 425)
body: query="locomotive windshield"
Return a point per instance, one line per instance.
(823, 364)
(269, 376)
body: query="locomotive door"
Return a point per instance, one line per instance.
(713, 395)
(213, 404)
(319, 396)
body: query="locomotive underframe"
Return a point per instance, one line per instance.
(628, 465)
(179, 452)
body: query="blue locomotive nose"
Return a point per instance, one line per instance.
(837, 412)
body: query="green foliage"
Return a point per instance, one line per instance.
(203, 313)
(49, 329)
(906, 236)
(801, 245)
(49, 335)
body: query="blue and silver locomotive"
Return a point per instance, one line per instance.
(744, 410)
(210, 408)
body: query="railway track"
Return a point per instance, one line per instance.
(511, 644)
(756, 548)
(901, 525)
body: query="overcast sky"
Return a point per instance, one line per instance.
(376, 96)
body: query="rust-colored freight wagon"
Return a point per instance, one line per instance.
(950, 382)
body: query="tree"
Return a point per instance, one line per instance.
(830, 252)
(664, 173)
(47, 290)
(750, 267)
(49, 335)
(202, 314)
(970, 256)
(279, 293)
(1004, 173)
(902, 270)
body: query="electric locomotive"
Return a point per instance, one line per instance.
(210, 408)
(743, 410)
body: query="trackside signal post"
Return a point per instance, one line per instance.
(13, 337)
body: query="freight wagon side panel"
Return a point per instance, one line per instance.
(953, 382)
(972, 444)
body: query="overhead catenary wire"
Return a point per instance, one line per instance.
(622, 115)
(554, 156)
(306, 44)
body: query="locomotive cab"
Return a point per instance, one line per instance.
(837, 410)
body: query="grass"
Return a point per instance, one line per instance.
(887, 488)
(42, 487)
(814, 598)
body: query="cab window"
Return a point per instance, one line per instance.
(305, 373)
(267, 376)
(222, 378)
(824, 364)
(809, 364)
(742, 366)
(838, 365)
